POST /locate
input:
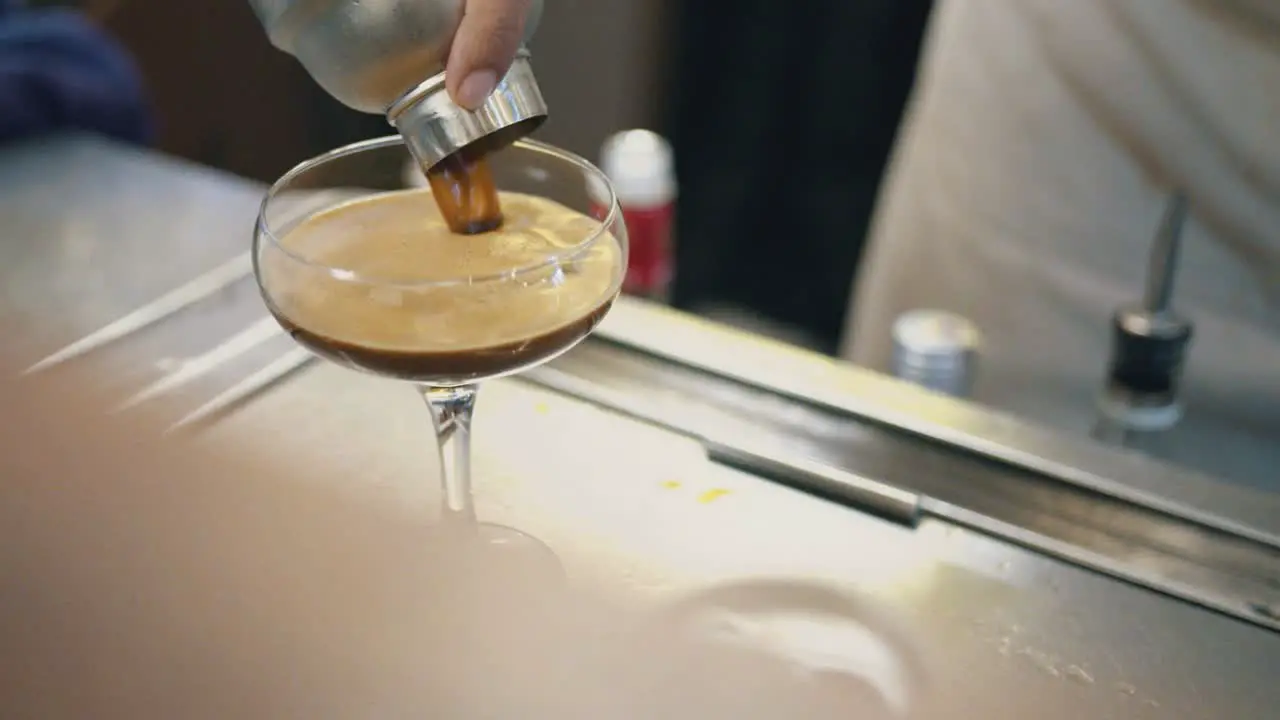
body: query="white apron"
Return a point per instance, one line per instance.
(1028, 183)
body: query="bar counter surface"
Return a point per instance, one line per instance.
(1012, 621)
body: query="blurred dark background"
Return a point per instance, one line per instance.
(782, 115)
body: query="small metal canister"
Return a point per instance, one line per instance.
(937, 350)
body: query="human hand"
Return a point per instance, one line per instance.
(485, 45)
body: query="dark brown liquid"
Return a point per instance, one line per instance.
(463, 187)
(449, 368)
(382, 284)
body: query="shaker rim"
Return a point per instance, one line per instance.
(431, 86)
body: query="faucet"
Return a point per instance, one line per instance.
(1149, 346)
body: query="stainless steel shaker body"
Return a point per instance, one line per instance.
(387, 56)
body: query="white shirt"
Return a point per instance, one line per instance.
(1034, 164)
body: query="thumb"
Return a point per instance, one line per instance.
(483, 48)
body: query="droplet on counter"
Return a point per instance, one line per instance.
(542, 408)
(1126, 689)
(671, 484)
(1005, 647)
(711, 496)
(1041, 661)
(1079, 674)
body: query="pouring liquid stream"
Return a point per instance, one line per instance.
(463, 188)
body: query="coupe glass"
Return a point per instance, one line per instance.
(381, 317)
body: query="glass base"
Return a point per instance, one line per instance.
(506, 552)
(516, 553)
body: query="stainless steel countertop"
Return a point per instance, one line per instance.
(91, 230)
(1007, 633)
(88, 231)
(889, 448)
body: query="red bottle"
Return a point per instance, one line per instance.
(640, 165)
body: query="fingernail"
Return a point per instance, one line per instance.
(476, 87)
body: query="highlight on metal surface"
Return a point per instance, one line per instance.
(197, 367)
(267, 376)
(201, 288)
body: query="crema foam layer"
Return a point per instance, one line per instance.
(385, 272)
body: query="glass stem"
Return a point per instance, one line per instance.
(451, 410)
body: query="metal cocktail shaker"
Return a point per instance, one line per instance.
(387, 56)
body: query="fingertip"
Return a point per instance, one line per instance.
(483, 49)
(475, 88)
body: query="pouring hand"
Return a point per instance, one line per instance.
(484, 47)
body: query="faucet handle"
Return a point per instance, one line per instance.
(1150, 340)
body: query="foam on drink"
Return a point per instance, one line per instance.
(383, 284)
